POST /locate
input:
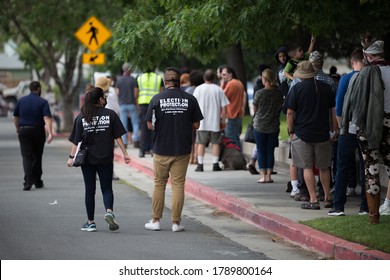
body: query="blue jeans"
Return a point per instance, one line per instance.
(131, 109)
(233, 130)
(105, 172)
(345, 163)
(266, 143)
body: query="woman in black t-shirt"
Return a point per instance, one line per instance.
(97, 128)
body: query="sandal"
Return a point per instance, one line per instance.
(311, 205)
(269, 181)
(262, 181)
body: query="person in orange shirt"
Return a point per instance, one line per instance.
(235, 92)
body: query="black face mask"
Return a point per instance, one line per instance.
(105, 102)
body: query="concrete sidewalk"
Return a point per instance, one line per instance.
(267, 206)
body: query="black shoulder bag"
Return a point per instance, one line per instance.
(81, 156)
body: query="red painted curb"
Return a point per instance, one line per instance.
(296, 233)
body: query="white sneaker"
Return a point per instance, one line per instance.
(152, 226)
(384, 209)
(177, 228)
(293, 193)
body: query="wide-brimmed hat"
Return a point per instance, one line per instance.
(104, 83)
(376, 48)
(304, 70)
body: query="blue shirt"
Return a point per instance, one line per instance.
(341, 91)
(31, 110)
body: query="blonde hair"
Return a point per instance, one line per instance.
(270, 76)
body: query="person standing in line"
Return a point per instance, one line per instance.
(196, 79)
(282, 57)
(177, 114)
(212, 102)
(33, 123)
(258, 86)
(235, 92)
(297, 55)
(99, 127)
(346, 148)
(310, 104)
(267, 105)
(149, 84)
(371, 123)
(127, 90)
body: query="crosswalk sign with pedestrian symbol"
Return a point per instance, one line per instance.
(93, 34)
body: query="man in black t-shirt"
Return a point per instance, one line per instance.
(309, 105)
(172, 114)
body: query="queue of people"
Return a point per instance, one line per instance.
(170, 117)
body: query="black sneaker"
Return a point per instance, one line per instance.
(199, 168)
(252, 169)
(26, 187)
(215, 167)
(335, 212)
(363, 211)
(39, 184)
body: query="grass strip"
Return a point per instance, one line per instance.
(356, 229)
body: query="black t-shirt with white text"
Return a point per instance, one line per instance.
(101, 143)
(175, 111)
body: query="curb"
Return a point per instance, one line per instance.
(299, 234)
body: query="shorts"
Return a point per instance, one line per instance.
(305, 154)
(204, 137)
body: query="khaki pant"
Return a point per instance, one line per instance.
(176, 168)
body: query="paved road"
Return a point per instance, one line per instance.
(45, 223)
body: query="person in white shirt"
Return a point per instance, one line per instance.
(212, 102)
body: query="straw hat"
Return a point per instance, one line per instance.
(104, 83)
(304, 70)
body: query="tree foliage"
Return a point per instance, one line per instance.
(202, 28)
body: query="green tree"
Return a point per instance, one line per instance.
(200, 29)
(47, 28)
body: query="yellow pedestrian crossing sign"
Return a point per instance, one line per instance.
(93, 34)
(93, 58)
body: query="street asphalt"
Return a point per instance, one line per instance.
(267, 207)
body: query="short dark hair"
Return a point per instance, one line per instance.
(209, 75)
(231, 70)
(34, 86)
(196, 77)
(357, 55)
(172, 74)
